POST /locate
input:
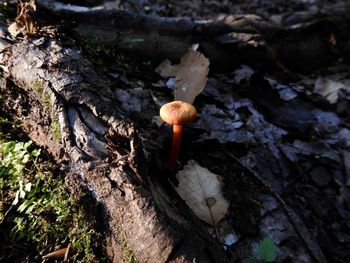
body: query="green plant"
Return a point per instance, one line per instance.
(266, 252)
(4, 120)
(55, 128)
(94, 47)
(46, 100)
(37, 85)
(128, 254)
(38, 209)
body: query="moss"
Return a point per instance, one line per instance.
(46, 100)
(94, 47)
(128, 254)
(37, 85)
(55, 128)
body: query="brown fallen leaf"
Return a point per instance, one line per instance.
(190, 75)
(202, 191)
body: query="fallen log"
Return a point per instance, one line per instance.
(227, 42)
(85, 108)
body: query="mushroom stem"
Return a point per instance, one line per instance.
(176, 113)
(175, 147)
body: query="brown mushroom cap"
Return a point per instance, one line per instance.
(177, 112)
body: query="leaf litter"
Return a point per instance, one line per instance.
(307, 167)
(229, 117)
(285, 157)
(190, 75)
(202, 191)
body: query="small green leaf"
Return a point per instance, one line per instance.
(36, 152)
(22, 194)
(18, 147)
(28, 187)
(23, 206)
(26, 158)
(15, 201)
(8, 147)
(267, 250)
(27, 144)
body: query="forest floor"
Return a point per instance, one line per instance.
(295, 136)
(265, 137)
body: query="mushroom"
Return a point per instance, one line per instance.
(177, 113)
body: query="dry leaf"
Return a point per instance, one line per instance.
(165, 69)
(202, 191)
(25, 22)
(329, 89)
(190, 75)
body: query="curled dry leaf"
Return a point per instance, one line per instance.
(190, 75)
(202, 191)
